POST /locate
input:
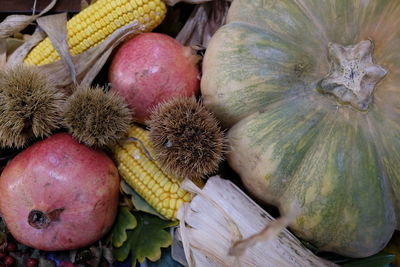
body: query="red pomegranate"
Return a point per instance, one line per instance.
(152, 68)
(59, 194)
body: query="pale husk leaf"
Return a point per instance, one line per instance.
(177, 251)
(55, 27)
(13, 44)
(205, 20)
(15, 23)
(271, 231)
(84, 4)
(71, 71)
(17, 57)
(3, 52)
(207, 234)
(88, 63)
(173, 2)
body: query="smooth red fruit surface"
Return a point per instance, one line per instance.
(31, 262)
(9, 261)
(59, 194)
(66, 264)
(151, 68)
(2, 255)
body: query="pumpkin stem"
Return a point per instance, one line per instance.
(353, 75)
(41, 220)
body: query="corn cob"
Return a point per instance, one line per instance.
(144, 175)
(96, 22)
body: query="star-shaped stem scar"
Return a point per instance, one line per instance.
(353, 74)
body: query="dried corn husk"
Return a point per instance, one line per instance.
(3, 52)
(174, 2)
(16, 23)
(204, 21)
(84, 4)
(206, 18)
(20, 53)
(87, 64)
(220, 215)
(69, 72)
(56, 29)
(13, 24)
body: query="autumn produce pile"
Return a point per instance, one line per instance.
(201, 133)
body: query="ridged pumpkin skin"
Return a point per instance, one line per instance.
(262, 76)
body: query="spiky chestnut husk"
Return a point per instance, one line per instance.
(187, 139)
(95, 117)
(30, 106)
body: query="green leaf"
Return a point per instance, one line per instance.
(125, 221)
(377, 260)
(146, 240)
(138, 202)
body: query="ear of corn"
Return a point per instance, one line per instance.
(96, 22)
(145, 176)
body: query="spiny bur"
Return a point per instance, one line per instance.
(187, 139)
(30, 106)
(96, 117)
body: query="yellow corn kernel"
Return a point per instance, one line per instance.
(164, 195)
(155, 189)
(187, 198)
(97, 18)
(179, 202)
(174, 188)
(159, 192)
(166, 203)
(163, 181)
(172, 203)
(170, 213)
(145, 176)
(167, 186)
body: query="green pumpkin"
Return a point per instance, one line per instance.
(310, 91)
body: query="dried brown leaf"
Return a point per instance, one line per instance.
(55, 27)
(84, 4)
(205, 20)
(89, 63)
(15, 23)
(3, 52)
(17, 57)
(96, 255)
(72, 255)
(173, 2)
(95, 69)
(108, 254)
(271, 231)
(13, 44)
(207, 234)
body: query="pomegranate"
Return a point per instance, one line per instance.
(151, 68)
(59, 194)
